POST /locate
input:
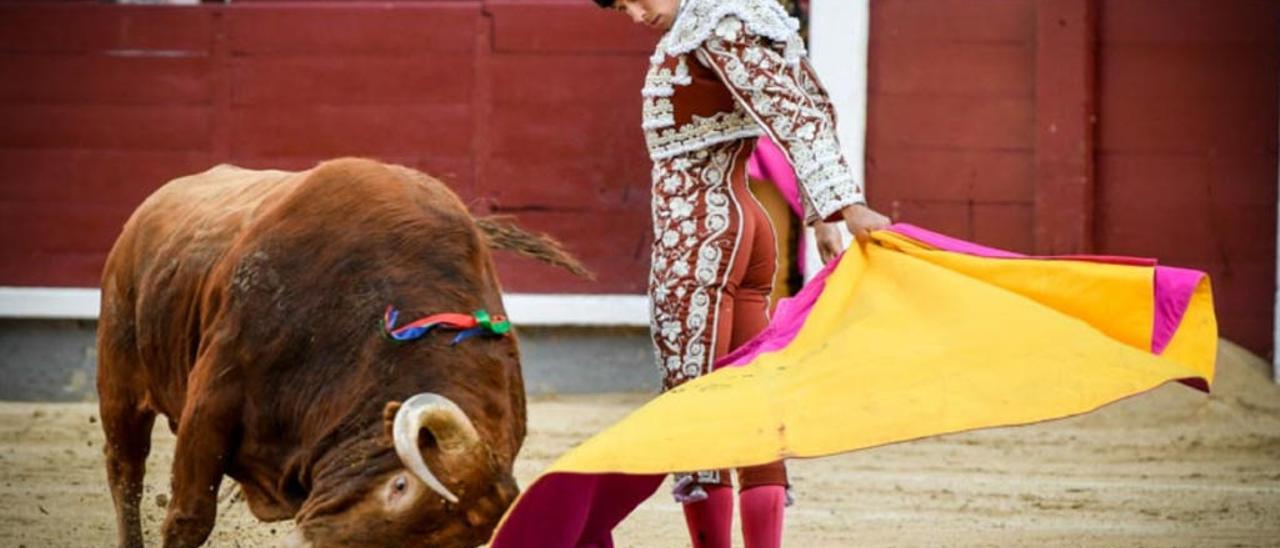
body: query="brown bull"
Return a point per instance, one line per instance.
(245, 306)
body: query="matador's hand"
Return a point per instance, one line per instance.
(862, 221)
(829, 240)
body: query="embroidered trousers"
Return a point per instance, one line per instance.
(714, 259)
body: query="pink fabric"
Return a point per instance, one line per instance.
(769, 163)
(947, 243)
(1174, 287)
(710, 522)
(763, 509)
(587, 508)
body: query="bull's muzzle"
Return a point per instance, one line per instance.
(296, 540)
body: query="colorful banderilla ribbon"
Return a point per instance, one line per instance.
(478, 323)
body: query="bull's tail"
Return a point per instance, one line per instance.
(502, 234)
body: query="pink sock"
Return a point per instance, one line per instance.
(762, 510)
(710, 521)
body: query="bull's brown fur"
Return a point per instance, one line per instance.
(244, 306)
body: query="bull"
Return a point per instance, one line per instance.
(245, 307)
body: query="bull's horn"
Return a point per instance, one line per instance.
(453, 432)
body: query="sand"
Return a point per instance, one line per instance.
(1169, 468)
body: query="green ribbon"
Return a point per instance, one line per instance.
(497, 328)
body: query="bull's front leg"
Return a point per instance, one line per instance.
(210, 421)
(128, 430)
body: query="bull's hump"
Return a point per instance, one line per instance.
(194, 218)
(237, 172)
(226, 179)
(224, 190)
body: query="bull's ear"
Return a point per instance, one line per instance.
(389, 418)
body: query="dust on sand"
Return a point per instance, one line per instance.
(1168, 468)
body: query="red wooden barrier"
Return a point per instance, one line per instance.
(951, 141)
(524, 108)
(1189, 99)
(978, 123)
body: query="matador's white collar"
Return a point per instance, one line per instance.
(696, 20)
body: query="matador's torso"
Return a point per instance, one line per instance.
(736, 69)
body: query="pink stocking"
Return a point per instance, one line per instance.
(762, 510)
(710, 521)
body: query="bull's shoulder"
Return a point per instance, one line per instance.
(194, 218)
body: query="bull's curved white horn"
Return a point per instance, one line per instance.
(452, 429)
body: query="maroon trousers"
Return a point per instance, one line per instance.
(715, 255)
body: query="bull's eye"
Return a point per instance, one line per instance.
(399, 487)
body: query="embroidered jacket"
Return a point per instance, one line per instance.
(736, 69)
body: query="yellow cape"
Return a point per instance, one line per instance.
(907, 341)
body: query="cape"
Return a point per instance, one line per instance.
(913, 335)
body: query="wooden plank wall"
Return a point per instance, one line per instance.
(1188, 105)
(98, 106)
(524, 107)
(561, 142)
(1133, 127)
(951, 125)
(1143, 127)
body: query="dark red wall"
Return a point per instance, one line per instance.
(1187, 167)
(951, 124)
(1143, 127)
(528, 108)
(1134, 127)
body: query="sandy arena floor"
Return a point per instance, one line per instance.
(1170, 468)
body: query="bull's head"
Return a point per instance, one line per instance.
(409, 504)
